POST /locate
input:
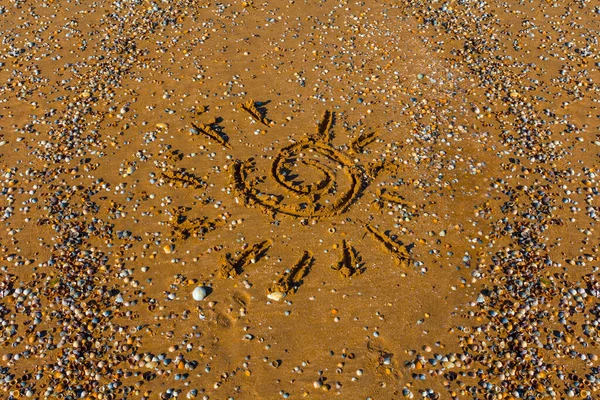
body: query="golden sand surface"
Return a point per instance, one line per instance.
(299, 199)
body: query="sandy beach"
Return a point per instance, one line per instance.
(299, 199)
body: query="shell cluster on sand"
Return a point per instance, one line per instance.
(287, 199)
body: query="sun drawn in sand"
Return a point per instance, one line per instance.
(309, 179)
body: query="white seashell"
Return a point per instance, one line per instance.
(276, 296)
(199, 293)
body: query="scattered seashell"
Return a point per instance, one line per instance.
(199, 293)
(276, 296)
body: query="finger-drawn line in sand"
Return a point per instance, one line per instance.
(209, 131)
(250, 107)
(375, 168)
(233, 266)
(338, 184)
(184, 227)
(385, 196)
(399, 251)
(363, 140)
(181, 178)
(350, 263)
(324, 127)
(291, 279)
(172, 155)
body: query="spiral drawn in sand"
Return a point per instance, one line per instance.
(309, 178)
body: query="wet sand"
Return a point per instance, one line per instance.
(377, 200)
